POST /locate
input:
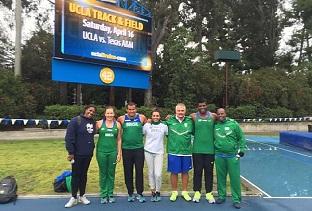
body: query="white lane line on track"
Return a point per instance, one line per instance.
(288, 197)
(262, 191)
(287, 150)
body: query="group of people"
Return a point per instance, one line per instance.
(197, 141)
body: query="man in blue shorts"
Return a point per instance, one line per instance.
(179, 148)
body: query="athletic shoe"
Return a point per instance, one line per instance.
(158, 197)
(210, 198)
(186, 196)
(196, 197)
(83, 200)
(131, 198)
(72, 202)
(111, 199)
(236, 205)
(220, 201)
(174, 195)
(104, 200)
(141, 198)
(153, 198)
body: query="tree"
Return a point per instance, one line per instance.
(165, 13)
(15, 98)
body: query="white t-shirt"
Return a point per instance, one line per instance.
(154, 137)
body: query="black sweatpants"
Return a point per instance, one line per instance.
(79, 175)
(203, 162)
(133, 157)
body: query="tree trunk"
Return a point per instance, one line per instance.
(63, 93)
(112, 96)
(79, 94)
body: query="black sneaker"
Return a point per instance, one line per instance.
(236, 205)
(220, 201)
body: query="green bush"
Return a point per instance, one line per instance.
(278, 112)
(242, 112)
(15, 98)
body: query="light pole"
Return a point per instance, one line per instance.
(18, 36)
(226, 56)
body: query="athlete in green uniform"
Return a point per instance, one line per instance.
(230, 144)
(133, 150)
(108, 153)
(203, 151)
(179, 148)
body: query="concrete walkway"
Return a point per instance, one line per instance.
(32, 133)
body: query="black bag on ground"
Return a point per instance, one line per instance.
(8, 189)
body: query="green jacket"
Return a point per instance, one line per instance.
(229, 137)
(179, 136)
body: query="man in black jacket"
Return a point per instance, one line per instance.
(79, 145)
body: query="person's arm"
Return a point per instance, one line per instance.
(121, 119)
(214, 116)
(143, 118)
(193, 116)
(99, 124)
(119, 152)
(241, 140)
(70, 138)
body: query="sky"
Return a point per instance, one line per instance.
(29, 24)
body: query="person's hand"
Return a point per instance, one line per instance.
(241, 154)
(118, 158)
(70, 157)
(168, 117)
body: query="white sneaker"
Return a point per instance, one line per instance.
(72, 202)
(83, 200)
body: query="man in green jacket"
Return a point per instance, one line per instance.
(179, 148)
(230, 144)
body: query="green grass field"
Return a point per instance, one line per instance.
(35, 164)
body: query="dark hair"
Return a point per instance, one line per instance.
(201, 101)
(155, 110)
(131, 104)
(89, 106)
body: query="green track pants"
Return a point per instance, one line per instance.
(229, 166)
(107, 166)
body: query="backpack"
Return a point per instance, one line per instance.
(59, 183)
(8, 189)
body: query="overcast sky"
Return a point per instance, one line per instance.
(29, 24)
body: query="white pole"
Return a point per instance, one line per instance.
(18, 35)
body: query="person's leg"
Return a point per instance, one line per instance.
(234, 173)
(76, 172)
(174, 167)
(128, 169)
(149, 158)
(208, 170)
(102, 163)
(158, 164)
(208, 162)
(111, 167)
(84, 173)
(221, 167)
(139, 165)
(198, 170)
(186, 163)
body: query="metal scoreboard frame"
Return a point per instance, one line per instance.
(103, 42)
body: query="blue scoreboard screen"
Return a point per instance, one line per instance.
(100, 33)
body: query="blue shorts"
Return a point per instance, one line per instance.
(179, 164)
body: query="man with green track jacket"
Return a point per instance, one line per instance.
(230, 144)
(179, 148)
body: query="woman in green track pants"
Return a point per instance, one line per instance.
(108, 153)
(230, 144)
